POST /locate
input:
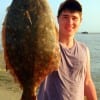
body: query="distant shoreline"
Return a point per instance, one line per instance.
(89, 33)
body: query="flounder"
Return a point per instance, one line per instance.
(30, 41)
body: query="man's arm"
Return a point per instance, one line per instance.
(89, 88)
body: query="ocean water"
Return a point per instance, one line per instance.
(92, 40)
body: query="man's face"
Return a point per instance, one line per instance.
(69, 22)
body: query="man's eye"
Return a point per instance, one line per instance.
(74, 18)
(65, 17)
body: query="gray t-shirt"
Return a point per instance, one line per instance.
(68, 82)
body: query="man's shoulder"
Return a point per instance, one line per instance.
(81, 44)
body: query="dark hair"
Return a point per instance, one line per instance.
(71, 5)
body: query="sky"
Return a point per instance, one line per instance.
(91, 13)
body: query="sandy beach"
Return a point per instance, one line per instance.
(9, 90)
(9, 95)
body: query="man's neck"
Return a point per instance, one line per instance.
(68, 42)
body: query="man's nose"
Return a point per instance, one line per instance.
(69, 21)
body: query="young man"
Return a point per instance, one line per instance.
(73, 79)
